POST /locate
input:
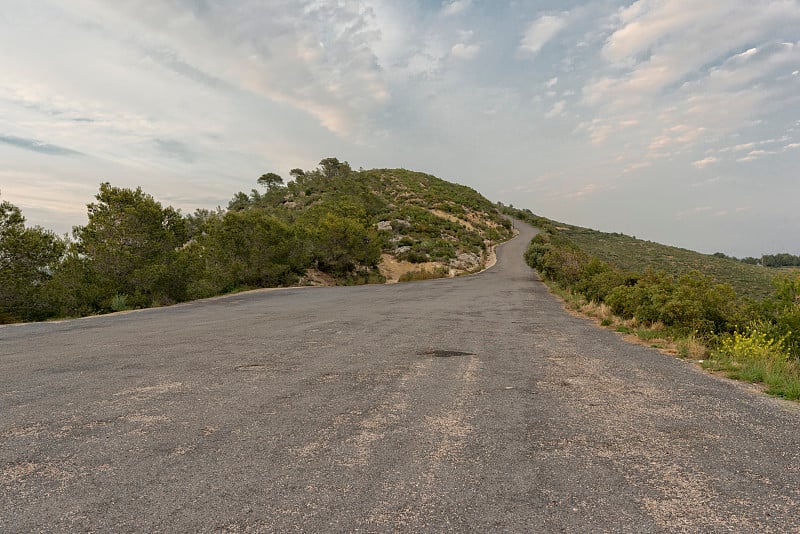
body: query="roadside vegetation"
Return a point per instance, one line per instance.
(330, 223)
(711, 309)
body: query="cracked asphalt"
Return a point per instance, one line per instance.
(467, 405)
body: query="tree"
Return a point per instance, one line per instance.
(342, 243)
(130, 245)
(333, 168)
(28, 257)
(240, 201)
(252, 249)
(270, 180)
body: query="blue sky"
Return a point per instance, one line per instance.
(672, 120)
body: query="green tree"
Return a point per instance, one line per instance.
(130, 245)
(333, 168)
(28, 257)
(240, 201)
(270, 180)
(342, 243)
(250, 249)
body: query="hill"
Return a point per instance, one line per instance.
(633, 255)
(420, 222)
(329, 225)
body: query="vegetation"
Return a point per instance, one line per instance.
(424, 274)
(636, 255)
(673, 297)
(135, 253)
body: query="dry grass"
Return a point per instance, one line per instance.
(691, 348)
(655, 335)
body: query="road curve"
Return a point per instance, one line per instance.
(471, 404)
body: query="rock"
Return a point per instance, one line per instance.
(384, 226)
(465, 261)
(469, 257)
(402, 250)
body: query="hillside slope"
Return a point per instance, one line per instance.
(636, 255)
(420, 222)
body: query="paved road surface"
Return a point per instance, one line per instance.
(330, 410)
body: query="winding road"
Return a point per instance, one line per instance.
(473, 404)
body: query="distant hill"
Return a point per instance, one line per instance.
(637, 255)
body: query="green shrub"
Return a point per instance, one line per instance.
(119, 303)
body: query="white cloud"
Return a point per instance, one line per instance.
(586, 190)
(700, 72)
(465, 51)
(637, 166)
(287, 52)
(790, 146)
(455, 7)
(703, 163)
(540, 31)
(556, 110)
(754, 155)
(552, 82)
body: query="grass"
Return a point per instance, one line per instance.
(781, 377)
(631, 254)
(779, 374)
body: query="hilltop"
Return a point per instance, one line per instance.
(423, 225)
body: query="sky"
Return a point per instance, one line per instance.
(676, 121)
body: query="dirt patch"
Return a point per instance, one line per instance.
(453, 218)
(491, 257)
(392, 268)
(315, 277)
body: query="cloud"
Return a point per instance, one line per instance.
(455, 7)
(175, 150)
(556, 110)
(539, 32)
(703, 163)
(791, 146)
(37, 146)
(716, 65)
(552, 82)
(589, 189)
(754, 155)
(637, 166)
(319, 58)
(465, 51)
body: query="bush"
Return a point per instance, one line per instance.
(756, 356)
(119, 303)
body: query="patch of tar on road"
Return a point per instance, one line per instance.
(443, 353)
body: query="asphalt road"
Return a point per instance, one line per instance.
(473, 404)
